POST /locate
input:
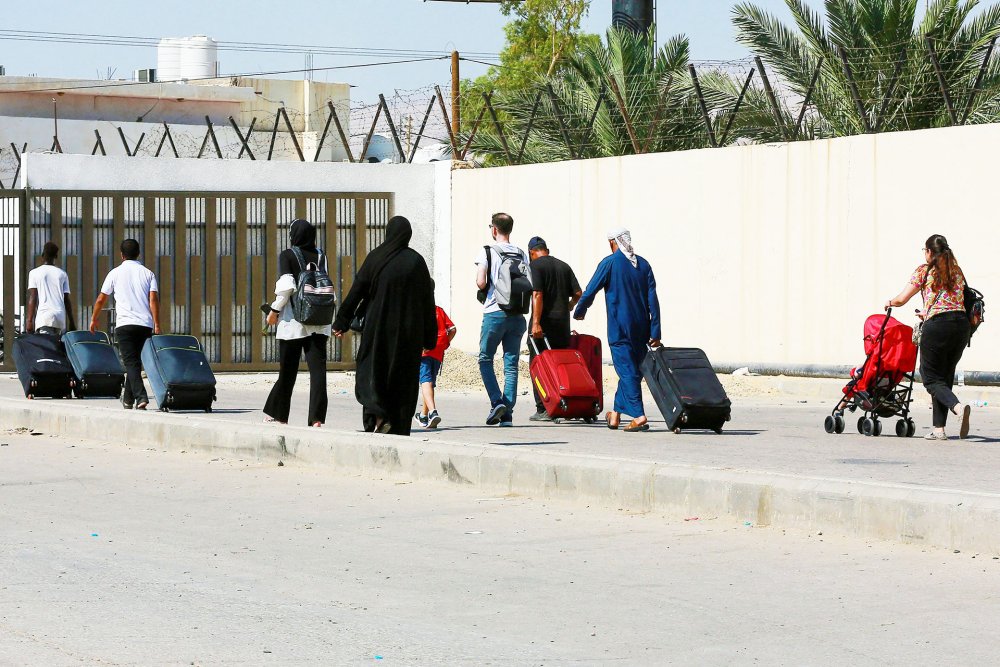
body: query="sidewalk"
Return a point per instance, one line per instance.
(773, 451)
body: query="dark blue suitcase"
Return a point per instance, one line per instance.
(42, 366)
(179, 373)
(98, 370)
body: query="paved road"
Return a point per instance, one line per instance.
(778, 433)
(117, 556)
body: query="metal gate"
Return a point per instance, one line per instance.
(215, 255)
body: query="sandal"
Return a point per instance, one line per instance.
(613, 419)
(635, 427)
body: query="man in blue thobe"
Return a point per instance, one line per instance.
(633, 322)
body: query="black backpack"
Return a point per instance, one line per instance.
(315, 299)
(975, 309)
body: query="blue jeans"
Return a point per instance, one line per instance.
(499, 329)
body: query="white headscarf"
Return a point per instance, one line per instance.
(623, 238)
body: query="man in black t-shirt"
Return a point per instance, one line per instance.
(556, 291)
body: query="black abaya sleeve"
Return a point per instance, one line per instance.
(429, 312)
(359, 292)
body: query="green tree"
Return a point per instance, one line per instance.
(540, 38)
(613, 98)
(887, 52)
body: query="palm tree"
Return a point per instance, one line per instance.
(874, 66)
(616, 98)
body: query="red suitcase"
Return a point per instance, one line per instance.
(565, 384)
(590, 348)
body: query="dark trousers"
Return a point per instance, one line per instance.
(279, 401)
(557, 333)
(942, 343)
(131, 338)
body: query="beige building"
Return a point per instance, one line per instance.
(34, 110)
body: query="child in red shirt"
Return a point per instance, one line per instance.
(430, 366)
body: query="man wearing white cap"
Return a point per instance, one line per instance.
(633, 322)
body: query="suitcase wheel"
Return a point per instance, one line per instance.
(589, 420)
(208, 409)
(718, 430)
(164, 409)
(563, 406)
(677, 430)
(72, 383)
(30, 397)
(33, 384)
(684, 418)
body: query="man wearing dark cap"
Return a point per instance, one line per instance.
(555, 292)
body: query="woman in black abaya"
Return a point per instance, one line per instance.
(395, 293)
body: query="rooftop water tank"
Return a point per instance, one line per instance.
(187, 58)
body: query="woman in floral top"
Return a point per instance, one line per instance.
(945, 331)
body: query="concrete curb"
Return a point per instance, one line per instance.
(895, 512)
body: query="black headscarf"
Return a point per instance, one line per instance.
(397, 238)
(302, 234)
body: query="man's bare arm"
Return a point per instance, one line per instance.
(29, 323)
(154, 307)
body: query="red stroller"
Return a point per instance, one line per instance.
(883, 386)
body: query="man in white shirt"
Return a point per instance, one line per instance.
(49, 307)
(137, 317)
(500, 329)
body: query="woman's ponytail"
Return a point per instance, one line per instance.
(943, 263)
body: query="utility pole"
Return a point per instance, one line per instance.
(55, 126)
(456, 98)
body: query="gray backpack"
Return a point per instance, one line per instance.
(315, 299)
(513, 286)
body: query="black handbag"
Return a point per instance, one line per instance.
(358, 321)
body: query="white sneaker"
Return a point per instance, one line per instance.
(965, 411)
(936, 435)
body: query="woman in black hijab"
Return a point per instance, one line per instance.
(394, 290)
(295, 338)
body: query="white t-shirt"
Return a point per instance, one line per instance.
(130, 283)
(490, 305)
(52, 283)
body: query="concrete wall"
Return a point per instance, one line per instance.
(417, 193)
(771, 253)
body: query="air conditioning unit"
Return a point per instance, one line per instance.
(145, 75)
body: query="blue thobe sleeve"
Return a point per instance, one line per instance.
(654, 307)
(597, 283)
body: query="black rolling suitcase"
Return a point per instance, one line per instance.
(179, 373)
(686, 389)
(42, 366)
(98, 370)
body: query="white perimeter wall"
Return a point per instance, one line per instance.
(421, 192)
(766, 254)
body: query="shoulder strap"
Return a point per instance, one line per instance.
(489, 263)
(299, 257)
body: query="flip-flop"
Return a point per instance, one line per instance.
(607, 419)
(636, 428)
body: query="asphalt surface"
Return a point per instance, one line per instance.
(119, 556)
(780, 433)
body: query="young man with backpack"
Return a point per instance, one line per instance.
(504, 282)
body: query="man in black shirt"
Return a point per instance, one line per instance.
(556, 291)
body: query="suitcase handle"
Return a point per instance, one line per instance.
(534, 341)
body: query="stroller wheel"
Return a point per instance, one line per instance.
(911, 428)
(839, 425)
(829, 424)
(868, 426)
(861, 424)
(878, 428)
